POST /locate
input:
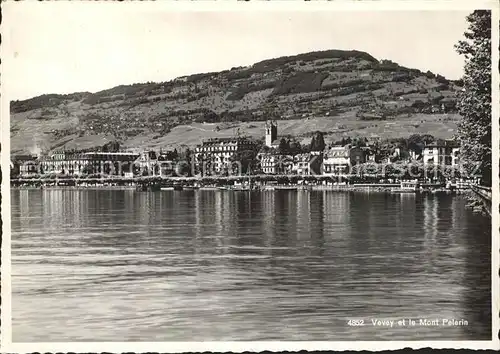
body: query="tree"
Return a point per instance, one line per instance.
(265, 149)
(170, 155)
(317, 142)
(475, 99)
(430, 74)
(211, 117)
(284, 146)
(247, 160)
(203, 166)
(295, 148)
(185, 162)
(88, 169)
(415, 143)
(112, 146)
(358, 142)
(427, 138)
(347, 141)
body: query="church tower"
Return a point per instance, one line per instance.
(271, 132)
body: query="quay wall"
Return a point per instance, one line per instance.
(347, 188)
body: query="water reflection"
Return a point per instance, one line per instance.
(477, 274)
(220, 265)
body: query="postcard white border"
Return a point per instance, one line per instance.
(254, 5)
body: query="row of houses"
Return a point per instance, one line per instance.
(340, 159)
(220, 153)
(126, 164)
(216, 156)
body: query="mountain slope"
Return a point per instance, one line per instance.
(338, 92)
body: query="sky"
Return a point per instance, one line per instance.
(56, 48)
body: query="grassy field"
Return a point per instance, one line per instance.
(441, 126)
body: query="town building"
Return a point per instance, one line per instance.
(147, 163)
(338, 160)
(215, 155)
(64, 163)
(455, 153)
(307, 164)
(415, 155)
(166, 165)
(24, 165)
(85, 163)
(370, 154)
(114, 163)
(275, 164)
(406, 155)
(443, 152)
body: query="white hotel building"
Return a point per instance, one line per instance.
(216, 153)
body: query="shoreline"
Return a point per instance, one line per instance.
(339, 188)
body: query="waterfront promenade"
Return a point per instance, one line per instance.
(327, 181)
(236, 183)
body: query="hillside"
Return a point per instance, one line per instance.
(342, 93)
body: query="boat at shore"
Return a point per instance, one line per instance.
(208, 188)
(442, 191)
(304, 188)
(172, 188)
(407, 187)
(190, 188)
(242, 188)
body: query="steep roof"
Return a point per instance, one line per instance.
(24, 158)
(338, 151)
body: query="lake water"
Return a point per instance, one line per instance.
(106, 265)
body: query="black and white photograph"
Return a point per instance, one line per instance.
(249, 172)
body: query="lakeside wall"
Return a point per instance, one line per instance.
(347, 188)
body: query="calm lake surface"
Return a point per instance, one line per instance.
(91, 265)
